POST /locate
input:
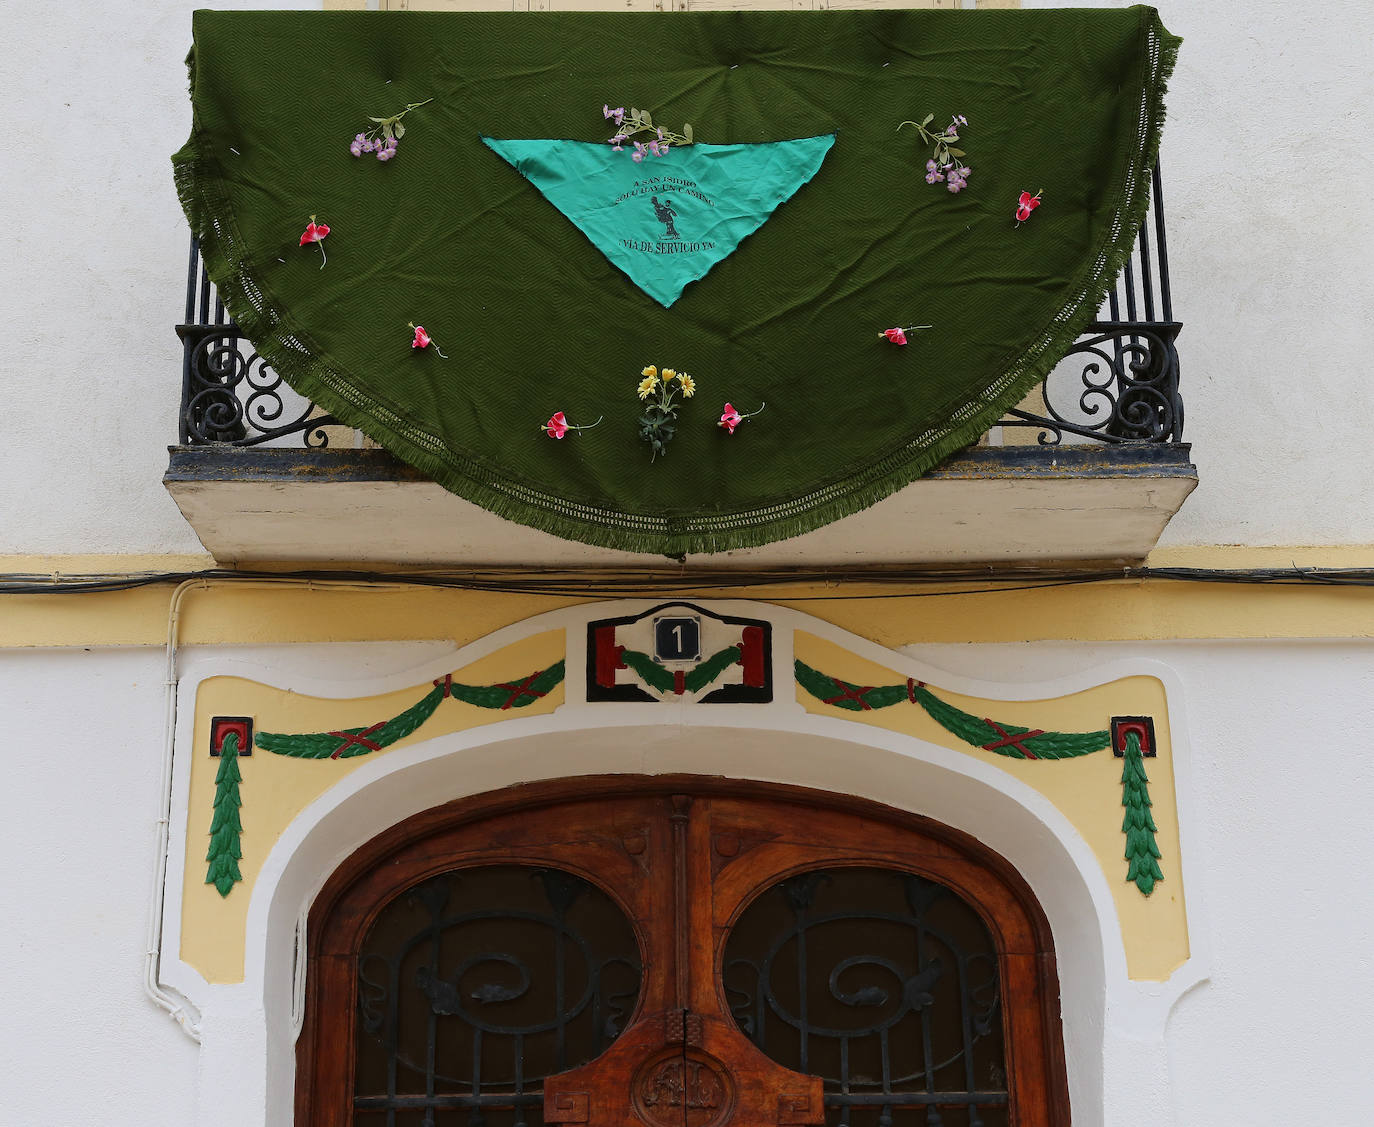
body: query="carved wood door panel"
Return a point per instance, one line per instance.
(676, 953)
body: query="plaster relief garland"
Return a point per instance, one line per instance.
(1014, 742)
(346, 743)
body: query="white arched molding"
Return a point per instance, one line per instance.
(1113, 1026)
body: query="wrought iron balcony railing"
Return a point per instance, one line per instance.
(1117, 384)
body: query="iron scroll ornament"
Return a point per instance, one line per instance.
(883, 983)
(477, 985)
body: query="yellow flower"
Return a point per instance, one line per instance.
(650, 372)
(647, 385)
(689, 385)
(669, 375)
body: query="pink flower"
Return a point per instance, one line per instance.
(1026, 205)
(315, 233)
(639, 152)
(558, 425)
(896, 336)
(424, 340)
(730, 418)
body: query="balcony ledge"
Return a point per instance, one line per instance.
(1014, 504)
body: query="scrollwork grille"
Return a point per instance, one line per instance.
(1119, 383)
(478, 984)
(883, 983)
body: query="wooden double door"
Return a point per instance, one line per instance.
(677, 952)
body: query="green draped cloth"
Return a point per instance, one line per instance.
(536, 315)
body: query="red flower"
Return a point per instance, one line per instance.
(896, 336)
(557, 426)
(315, 233)
(730, 419)
(423, 339)
(1026, 205)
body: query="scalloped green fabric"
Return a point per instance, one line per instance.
(534, 319)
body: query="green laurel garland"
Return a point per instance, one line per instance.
(1015, 742)
(226, 828)
(696, 678)
(349, 742)
(1010, 740)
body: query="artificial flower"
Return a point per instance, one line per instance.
(898, 335)
(668, 375)
(730, 418)
(689, 385)
(1025, 206)
(649, 371)
(558, 425)
(647, 385)
(423, 339)
(315, 233)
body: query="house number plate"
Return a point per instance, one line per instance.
(677, 638)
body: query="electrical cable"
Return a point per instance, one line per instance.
(566, 584)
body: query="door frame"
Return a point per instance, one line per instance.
(350, 898)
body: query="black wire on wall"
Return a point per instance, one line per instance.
(611, 584)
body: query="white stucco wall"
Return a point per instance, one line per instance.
(1281, 781)
(1268, 167)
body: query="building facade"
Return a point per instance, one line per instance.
(1142, 773)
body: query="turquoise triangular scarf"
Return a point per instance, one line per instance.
(666, 221)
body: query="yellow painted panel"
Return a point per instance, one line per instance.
(275, 788)
(1087, 790)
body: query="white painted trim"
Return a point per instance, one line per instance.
(1108, 1019)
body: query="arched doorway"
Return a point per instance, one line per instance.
(676, 951)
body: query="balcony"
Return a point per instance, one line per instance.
(1087, 469)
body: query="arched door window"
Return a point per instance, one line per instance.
(676, 952)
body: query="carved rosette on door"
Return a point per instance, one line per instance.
(688, 1066)
(682, 1069)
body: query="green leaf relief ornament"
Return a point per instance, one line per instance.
(1142, 851)
(225, 825)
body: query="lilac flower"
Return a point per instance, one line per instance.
(639, 152)
(356, 149)
(963, 173)
(931, 166)
(960, 119)
(933, 177)
(618, 114)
